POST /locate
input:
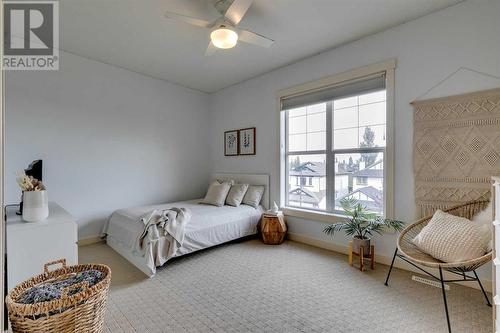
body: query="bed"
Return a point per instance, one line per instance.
(208, 226)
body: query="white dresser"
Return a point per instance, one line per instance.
(31, 245)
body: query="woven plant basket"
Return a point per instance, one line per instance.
(81, 312)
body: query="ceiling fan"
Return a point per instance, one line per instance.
(224, 33)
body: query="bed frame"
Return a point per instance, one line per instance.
(254, 179)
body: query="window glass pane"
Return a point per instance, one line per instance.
(367, 119)
(372, 136)
(316, 122)
(377, 96)
(360, 176)
(372, 114)
(316, 141)
(316, 108)
(345, 138)
(297, 142)
(297, 125)
(345, 102)
(345, 118)
(297, 112)
(307, 129)
(307, 181)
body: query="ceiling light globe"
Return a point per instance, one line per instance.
(224, 38)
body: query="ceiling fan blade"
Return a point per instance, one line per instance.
(237, 10)
(210, 49)
(255, 39)
(188, 19)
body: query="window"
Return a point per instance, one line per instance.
(338, 136)
(362, 181)
(302, 181)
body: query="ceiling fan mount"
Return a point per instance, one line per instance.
(224, 31)
(222, 5)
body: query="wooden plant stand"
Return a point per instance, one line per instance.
(362, 256)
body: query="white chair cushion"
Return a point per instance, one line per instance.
(236, 194)
(450, 238)
(216, 194)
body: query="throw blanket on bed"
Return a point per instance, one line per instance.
(163, 234)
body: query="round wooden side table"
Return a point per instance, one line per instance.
(273, 229)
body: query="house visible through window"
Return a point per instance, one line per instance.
(336, 139)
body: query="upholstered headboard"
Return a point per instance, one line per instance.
(252, 179)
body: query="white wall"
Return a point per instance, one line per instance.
(109, 138)
(427, 51)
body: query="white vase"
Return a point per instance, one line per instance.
(35, 206)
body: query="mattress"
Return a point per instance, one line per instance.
(209, 226)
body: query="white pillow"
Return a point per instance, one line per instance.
(450, 238)
(236, 194)
(216, 194)
(484, 219)
(254, 195)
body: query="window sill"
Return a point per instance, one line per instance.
(322, 217)
(312, 215)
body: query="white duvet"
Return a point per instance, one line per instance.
(208, 226)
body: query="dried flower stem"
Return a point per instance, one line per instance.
(28, 183)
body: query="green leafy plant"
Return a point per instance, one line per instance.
(360, 223)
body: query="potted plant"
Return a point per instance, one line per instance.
(35, 202)
(361, 224)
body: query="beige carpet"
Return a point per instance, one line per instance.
(251, 287)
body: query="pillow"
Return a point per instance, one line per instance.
(216, 194)
(236, 194)
(451, 238)
(484, 219)
(254, 195)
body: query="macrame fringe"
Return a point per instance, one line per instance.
(429, 209)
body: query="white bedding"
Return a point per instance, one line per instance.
(209, 226)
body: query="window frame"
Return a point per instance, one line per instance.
(362, 183)
(387, 68)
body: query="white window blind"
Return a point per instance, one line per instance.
(346, 89)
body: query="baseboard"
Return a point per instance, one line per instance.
(90, 241)
(381, 259)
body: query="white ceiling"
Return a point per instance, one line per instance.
(134, 34)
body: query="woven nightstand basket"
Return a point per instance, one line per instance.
(80, 312)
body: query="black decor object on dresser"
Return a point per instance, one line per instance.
(35, 169)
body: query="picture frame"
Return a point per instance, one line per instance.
(246, 138)
(231, 147)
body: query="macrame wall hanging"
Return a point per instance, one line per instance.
(456, 149)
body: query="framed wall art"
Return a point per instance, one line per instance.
(231, 143)
(247, 141)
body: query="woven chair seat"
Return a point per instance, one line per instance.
(414, 254)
